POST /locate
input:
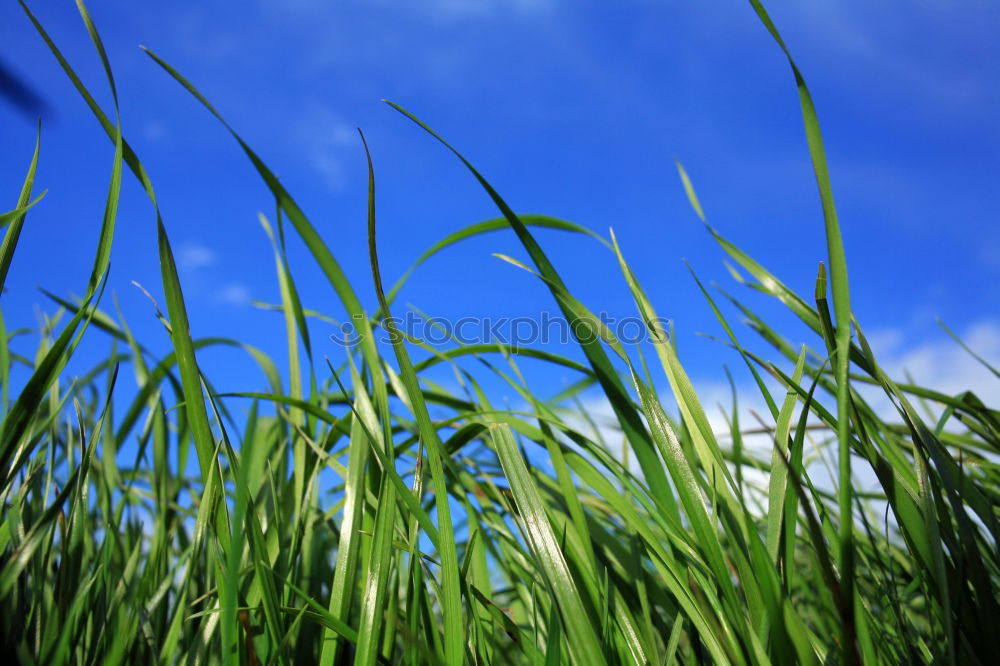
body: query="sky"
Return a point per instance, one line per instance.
(575, 110)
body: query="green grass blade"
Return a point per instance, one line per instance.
(451, 602)
(583, 642)
(16, 217)
(842, 311)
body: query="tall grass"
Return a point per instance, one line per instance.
(443, 543)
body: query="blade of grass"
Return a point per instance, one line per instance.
(16, 217)
(842, 311)
(451, 603)
(583, 643)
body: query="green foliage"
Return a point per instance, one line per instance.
(487, 559)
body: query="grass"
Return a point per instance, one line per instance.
(441, 542)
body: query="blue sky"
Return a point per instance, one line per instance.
(571, 109)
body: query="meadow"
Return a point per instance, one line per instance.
(181, 530)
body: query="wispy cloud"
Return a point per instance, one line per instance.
(939, 364)
(325, 139)
(194, 258)
(477, 8)
(154, 131)
(233, 293)
(431, 9)
(193, 255)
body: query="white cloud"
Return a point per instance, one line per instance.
(865, 39)
(716, 400)
(234, 293)
(478, 8)
(939, 364)
(432, 9)
(154, 131)
(989, 253)
(192, 255)
(326, 139)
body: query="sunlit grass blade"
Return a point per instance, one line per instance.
(451, 603)
(16, 217)
(842, 310)
(777, 486)
(583, 643)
